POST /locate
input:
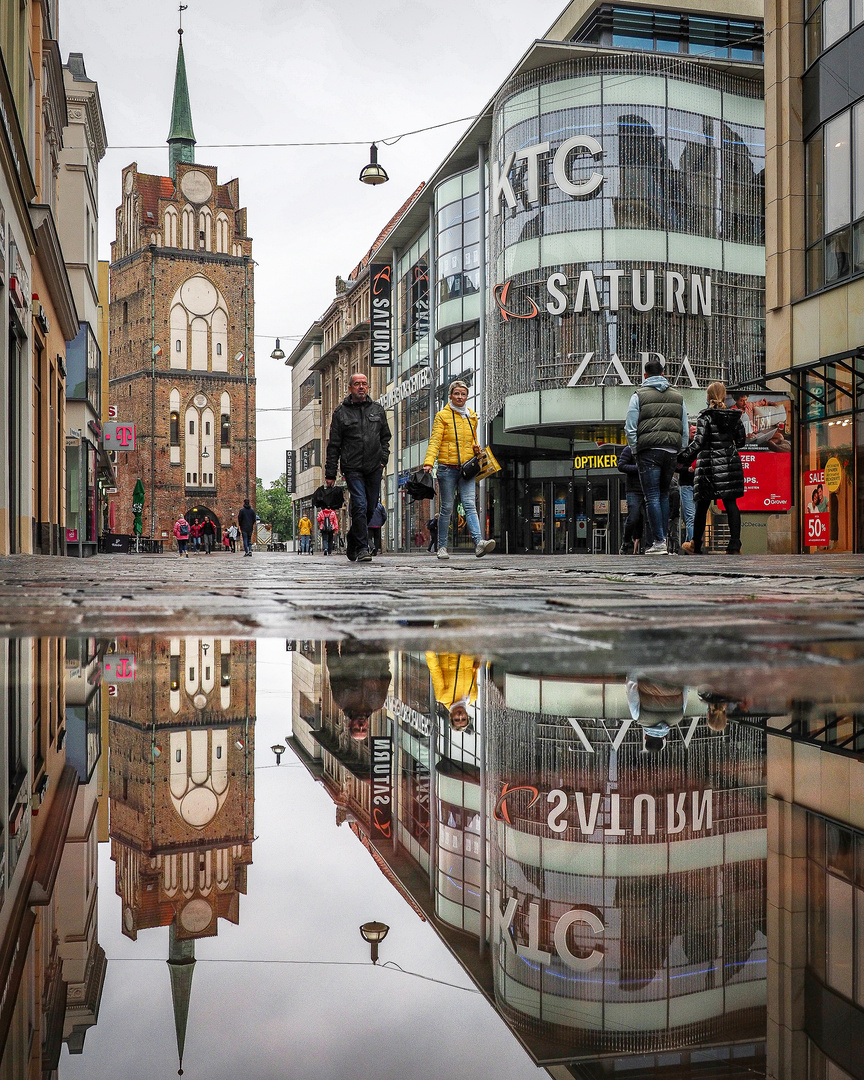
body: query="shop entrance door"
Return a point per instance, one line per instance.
(548, 517)
(599, 514)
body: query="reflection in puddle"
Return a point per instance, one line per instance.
(590, 857)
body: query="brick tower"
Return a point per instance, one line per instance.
(182, 322)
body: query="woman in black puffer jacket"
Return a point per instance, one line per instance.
(719, 474)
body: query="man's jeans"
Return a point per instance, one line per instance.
(247, 541)
(305, 544)
(448, 480)
(365, 491)
(688, 509)
(656, 469)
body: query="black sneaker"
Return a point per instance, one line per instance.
(364, 556)
(351, 556)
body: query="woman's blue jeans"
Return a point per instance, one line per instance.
(448, 480)
(688, 509)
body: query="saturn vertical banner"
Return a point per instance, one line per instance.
(381, 313)
(382, 787)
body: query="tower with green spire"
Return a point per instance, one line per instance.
(181, 138)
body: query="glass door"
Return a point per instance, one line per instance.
(538, 510)
(561, 501)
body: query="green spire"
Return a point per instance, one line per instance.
(181, 138)
(181, 968)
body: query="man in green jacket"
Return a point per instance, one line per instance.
(657, 430)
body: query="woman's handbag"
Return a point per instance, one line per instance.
(480, 465)
(472, 467)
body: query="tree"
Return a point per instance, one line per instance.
(275, 507)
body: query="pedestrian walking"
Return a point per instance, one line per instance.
(232, 536)
(376, 524)
(304, 531)
(328, 527)
(719, 472)
(432, 526)
(454, 680)
(359, 441)
(195, 533)
(673, 539)
(453, 444)
(208, 535)
(360, 680)
(226, 542)
(635, 501)
(246, 520)
(688, 503)
(181, 535)
(657, 430)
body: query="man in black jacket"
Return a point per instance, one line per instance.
(246, 520)
(360, 439)
(635, 501)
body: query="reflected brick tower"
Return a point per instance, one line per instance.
(182, 324)
(181, 788)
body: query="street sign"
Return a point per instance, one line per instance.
(116, 668)
(117, 436)
(290, 471)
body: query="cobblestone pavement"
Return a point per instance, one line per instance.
(682, 607)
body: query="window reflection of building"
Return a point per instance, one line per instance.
(182, 793)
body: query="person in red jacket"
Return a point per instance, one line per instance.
(328, 526)
(195, 530)
(181, 535)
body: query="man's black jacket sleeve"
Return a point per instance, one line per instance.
(385, 440)
(334, 447)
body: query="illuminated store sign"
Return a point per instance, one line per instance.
(381, 314)
(579, 189)
(382, 787)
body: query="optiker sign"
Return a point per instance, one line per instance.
(117, 436)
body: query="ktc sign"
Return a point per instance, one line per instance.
(381, 313)
(532, 951)
(578, 189)
(117, 436)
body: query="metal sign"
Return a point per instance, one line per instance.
(290, 471)
(116, 668)
(381, 313)
(117, 436)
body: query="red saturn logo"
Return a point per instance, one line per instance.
(501, 812)
(382, 275)
(500, 293)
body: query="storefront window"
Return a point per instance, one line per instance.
(834, 186)
(829, 21)
(828, 481)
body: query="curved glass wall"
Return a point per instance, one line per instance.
(457, 250)
(654, 228)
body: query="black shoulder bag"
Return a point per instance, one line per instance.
(474, 465)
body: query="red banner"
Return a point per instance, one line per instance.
(767, 481)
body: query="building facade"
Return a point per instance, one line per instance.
(814, 192)
(181, 340)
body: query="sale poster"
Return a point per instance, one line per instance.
(766, 456)
(817, 510)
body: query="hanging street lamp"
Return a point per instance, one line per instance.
(373, 173)
(374, 933)
(277, 353)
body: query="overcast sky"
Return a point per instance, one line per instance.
(307, 70)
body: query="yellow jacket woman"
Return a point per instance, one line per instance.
(454, 679)
(453, 442)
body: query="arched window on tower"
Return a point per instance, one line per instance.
(179, 337)
(222, 233)
(174, 426)
(125, 313)
(192, 448)
(170, 227)
(219, 327)
(205, 229)
(188, 228)
(225, 430)
(199, 344)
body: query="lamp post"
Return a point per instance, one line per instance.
(278, 749)
(374, 933)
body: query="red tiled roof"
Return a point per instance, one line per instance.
(385, 232)
(152, 189)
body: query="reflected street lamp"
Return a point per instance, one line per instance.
(278, 749)
(374, 933)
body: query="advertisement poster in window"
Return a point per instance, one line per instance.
(817, 510)
(767, 453)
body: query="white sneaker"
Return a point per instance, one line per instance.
(484, 547)
(443, 553)
(657, 549)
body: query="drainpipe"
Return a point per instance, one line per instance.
(433, 371)
(481, 342)
(152, 392)
(246, 361)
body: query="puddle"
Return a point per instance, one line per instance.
(633, 870)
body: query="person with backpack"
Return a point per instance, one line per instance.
(376, 524)
(328, 526)
(232, 537)
(181, 535)
(453, 444)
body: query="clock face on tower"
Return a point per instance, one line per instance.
(196, 186)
